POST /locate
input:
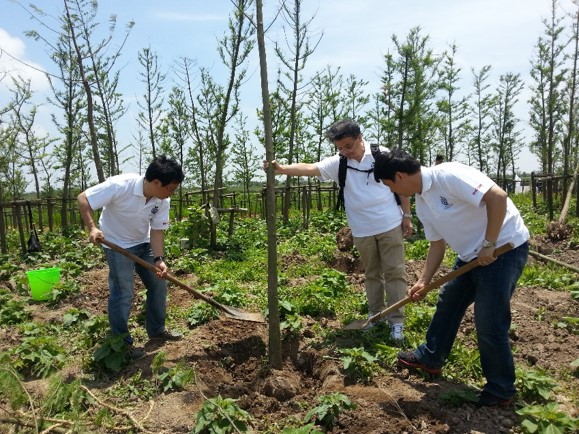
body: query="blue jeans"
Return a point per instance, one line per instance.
(490, 289)
(121, 287)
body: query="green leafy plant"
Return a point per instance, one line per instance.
(221, 416)
(534, 384)
(328, 412)
(173, 378)
(201, 313)
(112, 355)
(358, 364)
(308, 429)
(571, 324)
(12, 311)
(547, 419)
(455, 398)
(39, 355)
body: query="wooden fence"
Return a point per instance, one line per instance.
(46, 213)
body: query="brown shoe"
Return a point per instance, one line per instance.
(167, 335)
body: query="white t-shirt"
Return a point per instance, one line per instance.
(371, 208)
(450, 208)
(127, 218)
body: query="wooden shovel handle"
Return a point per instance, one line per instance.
(438, 282)
(169, 277)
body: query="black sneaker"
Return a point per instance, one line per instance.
(408, 359)
(167, 335)
(135, 353)
(486, 399)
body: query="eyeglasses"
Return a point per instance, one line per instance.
(348, 147)
(171, 190)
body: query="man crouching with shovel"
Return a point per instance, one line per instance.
(462, 207)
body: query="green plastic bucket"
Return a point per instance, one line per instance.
(41, 282)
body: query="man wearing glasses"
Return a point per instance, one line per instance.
(135, 214)
(378, 223)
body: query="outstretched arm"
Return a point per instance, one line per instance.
(295, 169)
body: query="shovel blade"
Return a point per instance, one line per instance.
(234, 313)
(355, 325)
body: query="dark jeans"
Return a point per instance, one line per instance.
(121, 287)
(490, 289)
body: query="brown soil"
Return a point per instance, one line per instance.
(231, 357)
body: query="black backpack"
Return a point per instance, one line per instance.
(343, 170)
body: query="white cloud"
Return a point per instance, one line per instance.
(14, 63)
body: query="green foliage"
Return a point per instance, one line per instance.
(328, 221)
(308, 429)
(455, 398)
(463, 362)
(112, 354)
(12, 311)
(547, 419)
(534, 385)
(320, 298)
(74, 317)
(358, 364)
(546, 277)
(174, 378)
(229, 293)
(386, 354)
(571, 324)
(65, 399)
(135, 387)
(11, 384)
(38, 355)
(196, 227)
(63, 289)
(290, 320)
(201, 313)
(221, 416)
(328, 412)
(416, 249)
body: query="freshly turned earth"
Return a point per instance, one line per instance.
(230, 358)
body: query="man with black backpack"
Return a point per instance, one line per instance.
(378, 223)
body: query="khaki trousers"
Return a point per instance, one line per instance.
(382, 256)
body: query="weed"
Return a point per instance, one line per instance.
(358, 364)
(547, 419)
(328, 412)
(201, 313)
(12, 311)
(534, 384)
(112, 354)
(38, 355)
(221, 415)
(308, 429)
(455, 398)
(174, 378)
(571, 324)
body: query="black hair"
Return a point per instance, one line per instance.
(342, 129)
(388, 163)
(439, 157)
(165, 170)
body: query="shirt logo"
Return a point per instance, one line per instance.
(476, 190)
(445, 203)
(155, 209)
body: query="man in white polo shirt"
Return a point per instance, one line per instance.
(461, 206)
(378, 224)
(135, 214)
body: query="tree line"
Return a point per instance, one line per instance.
(188, 113)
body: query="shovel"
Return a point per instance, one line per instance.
(229, 311)
(362, 323)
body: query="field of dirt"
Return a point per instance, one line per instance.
(230, 357)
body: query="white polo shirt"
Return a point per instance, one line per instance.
(450, 207)
(371, 208)
(127, 218)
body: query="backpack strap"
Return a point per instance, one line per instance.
(342, 170)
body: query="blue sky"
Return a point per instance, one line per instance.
(356, 35)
